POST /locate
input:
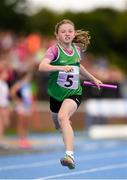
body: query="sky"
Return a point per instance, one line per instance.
(77, 5)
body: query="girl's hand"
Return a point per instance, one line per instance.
(97, 82)
(67, 68)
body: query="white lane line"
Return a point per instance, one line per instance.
(30, 165)
(53, 162)
(104, 168)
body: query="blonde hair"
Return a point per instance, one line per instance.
(82, 37)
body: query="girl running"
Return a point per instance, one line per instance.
(62, 60)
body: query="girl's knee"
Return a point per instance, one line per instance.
(63, 118)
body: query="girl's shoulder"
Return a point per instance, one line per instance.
(78, 48)
(52, 52)
(53, 48)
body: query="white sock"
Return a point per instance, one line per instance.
(70, 153)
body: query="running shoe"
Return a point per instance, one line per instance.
(68, 161)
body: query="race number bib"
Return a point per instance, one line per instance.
(69, 79)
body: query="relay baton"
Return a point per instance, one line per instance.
(87, 83)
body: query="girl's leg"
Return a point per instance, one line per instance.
(55, 120)
(67, 109)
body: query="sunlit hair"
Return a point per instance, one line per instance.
(82, 38)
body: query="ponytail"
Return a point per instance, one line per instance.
(82, 38)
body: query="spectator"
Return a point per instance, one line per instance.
(21, 93)
(4, 105)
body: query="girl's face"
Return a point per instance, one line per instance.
(66, 33)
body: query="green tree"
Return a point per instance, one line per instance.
(10, 17)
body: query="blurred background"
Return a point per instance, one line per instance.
(27, 30)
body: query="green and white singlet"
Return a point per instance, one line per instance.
(64, 84)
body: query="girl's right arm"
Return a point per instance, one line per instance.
(47, 67)
(50, 55)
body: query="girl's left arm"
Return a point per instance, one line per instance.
(89, 76)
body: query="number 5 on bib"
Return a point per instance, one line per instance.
(69, 80)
